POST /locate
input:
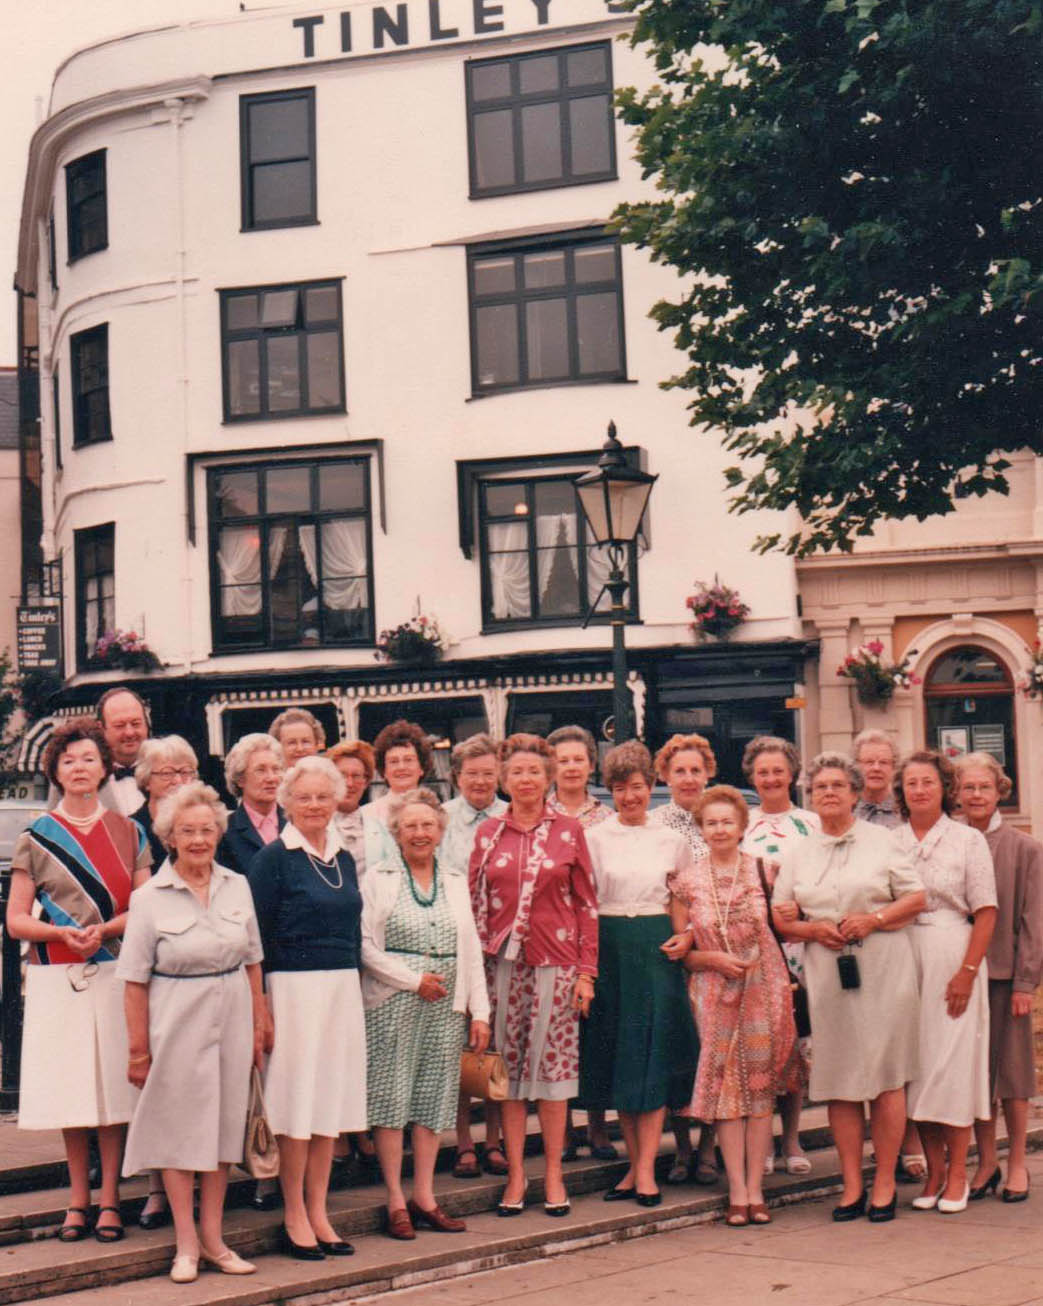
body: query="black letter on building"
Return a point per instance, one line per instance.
(309, 25)
(438, 32)
(484, 13)
(397, 28)
(542, 11)
(345, 33)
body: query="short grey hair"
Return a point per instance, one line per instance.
(874, 737)
(196, 794)
(239, 755)
(761, 744)
(481, 745)
(422, 795)
(300, 716)
(1004, 784)
(154, 752)
(835, 762)
(311, 765)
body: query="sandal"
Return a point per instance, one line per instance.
(737, 1216)
(704, 1173)
(759, 1213)
(109, 1233)
(911, 1168)
(74, 1233)
(494, 1160)
(464, 1169)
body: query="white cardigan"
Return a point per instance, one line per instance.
(383, 974)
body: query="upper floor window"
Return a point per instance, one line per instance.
(94, 556)
(538, 565)
(56, 417)
(541, 120)
(282, 351)
(90, 386)
(290, 554)
(546, 313)
(277, 159)
(87, 215)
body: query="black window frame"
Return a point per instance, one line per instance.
(246, 175)
(52, 251)
(583, 615)
(79, 344)
(566, 243)
(516, 101)
(263, 520)
(56, 416)
(262, 333)
(84, 170)
(87, 541)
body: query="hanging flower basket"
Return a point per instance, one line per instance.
(716, 609)
(119, 650)
(875, 681)
(1031, 684)
(419, 641)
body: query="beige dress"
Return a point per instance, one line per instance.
(865, 1038)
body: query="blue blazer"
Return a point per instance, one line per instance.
(241, 842)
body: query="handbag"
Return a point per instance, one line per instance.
(483, 1074)
(260, 1150)
(801, 1011)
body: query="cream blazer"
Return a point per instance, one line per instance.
(383, 974)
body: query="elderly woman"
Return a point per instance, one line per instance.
(475, 771)
(424, 975)
(164, 764)
(403, 757)
(253, 772)
(749, 1052)
(638, 1048)
(79, 862)
(951, 1090)
(876, 758)
(772, 766)
(309, 909)
(532, 889)
(855, 892)
(1015, 959)
(686, 763)
(299, 734)
(354, 759)
(196, 1017)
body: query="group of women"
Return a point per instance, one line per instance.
(628, 959)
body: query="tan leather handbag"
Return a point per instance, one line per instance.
(483, 1074)
(260, 1150)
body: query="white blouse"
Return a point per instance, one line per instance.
(631, 864)
(955, 864)
(770, 834)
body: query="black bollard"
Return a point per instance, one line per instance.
(11, 1009)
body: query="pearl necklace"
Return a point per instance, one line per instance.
(81, 822)
(317, 863)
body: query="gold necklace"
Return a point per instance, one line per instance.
(722, 921)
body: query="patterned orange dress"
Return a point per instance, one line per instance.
(749, 1053)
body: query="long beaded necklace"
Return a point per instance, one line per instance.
(722, 918)
(418, 897)
(317, 863)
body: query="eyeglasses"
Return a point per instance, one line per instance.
(829, 787)
(179, 772)
(87, 972)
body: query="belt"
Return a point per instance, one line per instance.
(205, 974)
(631, 909)
(413, 952)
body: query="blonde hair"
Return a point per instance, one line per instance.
(722, 794)
(355, 748)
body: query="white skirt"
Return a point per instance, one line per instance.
(952, 1087)
(74, 1050)
(316, 1077)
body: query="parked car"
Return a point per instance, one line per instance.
(15, 815)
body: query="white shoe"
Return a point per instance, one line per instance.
(798, 1164)
(228, 1262)
(949, 1207)
(769, 1163)
(926, 1202)
(185, 1269)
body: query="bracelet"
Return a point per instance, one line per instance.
(145, 1056)
(880, 917)
(588, 978)
(967, 966)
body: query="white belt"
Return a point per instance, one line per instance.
(631, 909)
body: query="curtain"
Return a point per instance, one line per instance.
(306, 539)
(239, 561)
(345, 566)
(509, 570)
(276, 547)
(556, 541)
(598, 566)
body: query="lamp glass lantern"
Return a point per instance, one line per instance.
(614, 496)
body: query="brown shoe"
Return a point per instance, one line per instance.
(435, 1219)
(399, 1225)
(759, 1213)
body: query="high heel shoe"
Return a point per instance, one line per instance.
(926, 1201)
(1014, 1195)
(948, 1206)
(507, 1209)
(299, 1251)
(990, 1185)
(881, 1214)
(850, 1210)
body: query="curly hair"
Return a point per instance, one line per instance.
(299, 716)
(73, 731)
(1004, 784)
(723, 794)
(946, 774)
(522, 743)
(832, 761)
(355, 748)
(164, 748)
(310, 765)
(625, 760)
(480, 745)
(422, 795)
(575, 735)
(761, 744)
(685, 744)
(196, 794)
(239, 755)
(403, 734)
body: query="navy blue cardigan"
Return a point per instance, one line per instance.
(241, 842)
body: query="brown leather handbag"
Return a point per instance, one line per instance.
(483, 1074)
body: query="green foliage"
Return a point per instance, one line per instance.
(854, 200)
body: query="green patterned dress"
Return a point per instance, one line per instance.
(413, 1046)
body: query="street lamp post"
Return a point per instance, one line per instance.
(614, 499)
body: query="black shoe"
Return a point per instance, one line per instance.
(557, 1208)
(336, 1248)
(992, 1183)
(155, 1219)
(648, 1199)
(267, 1201)
(1014, 1195)
(881, 1214)
(852, 1211)
(619, 1195)
(296, 1250)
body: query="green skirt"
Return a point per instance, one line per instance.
(638, 1046)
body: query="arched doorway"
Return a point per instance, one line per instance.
(969, 708)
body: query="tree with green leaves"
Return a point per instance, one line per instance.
(852, 192)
